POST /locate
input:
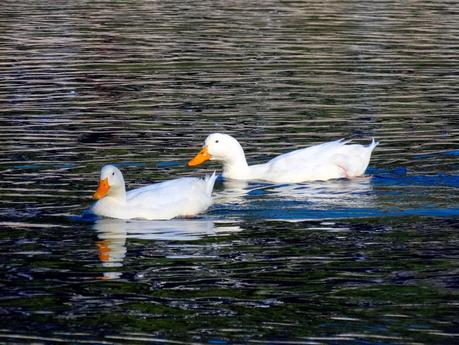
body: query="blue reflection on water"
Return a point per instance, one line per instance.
(429, 155)
(387, 193)
(383, 193)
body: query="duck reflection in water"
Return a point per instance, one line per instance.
(113, 234)
(342, 193)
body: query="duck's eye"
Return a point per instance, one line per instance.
(113, 173)
(216, 141)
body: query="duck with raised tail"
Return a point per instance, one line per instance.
(181, 197)
(330, 160)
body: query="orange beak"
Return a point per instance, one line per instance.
(102, 190)
(200, 158)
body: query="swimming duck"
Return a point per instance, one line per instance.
(330, 160)
(185, 196)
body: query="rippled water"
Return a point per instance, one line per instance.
(141, 84)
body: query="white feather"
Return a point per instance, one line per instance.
(330, 160)
(185, 196)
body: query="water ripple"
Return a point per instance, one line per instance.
(141, 84)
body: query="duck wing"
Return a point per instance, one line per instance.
(180, 197)
(325, 161)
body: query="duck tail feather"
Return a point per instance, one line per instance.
(210, 181)
(344, 141)
(373, 143)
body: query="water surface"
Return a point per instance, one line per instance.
(141, 83)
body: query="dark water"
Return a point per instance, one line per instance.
(141, 83)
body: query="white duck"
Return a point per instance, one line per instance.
(185, 196)
(322, 162)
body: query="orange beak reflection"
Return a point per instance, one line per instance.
(104, 250)
(102, 190)
(200, 158)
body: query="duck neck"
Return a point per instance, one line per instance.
(118, 193)
(236, 167)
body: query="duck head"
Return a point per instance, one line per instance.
(111, 183)
(218, 147)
